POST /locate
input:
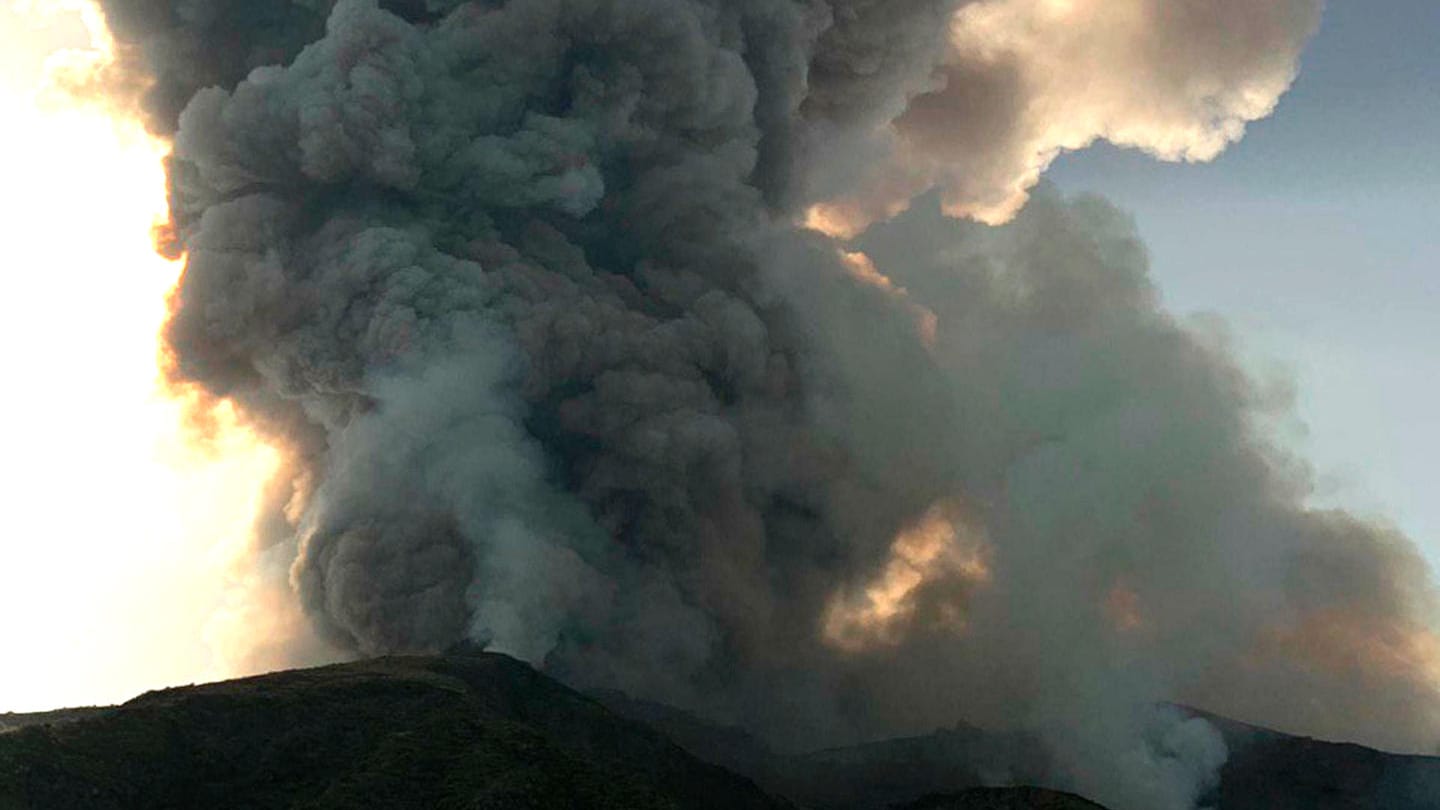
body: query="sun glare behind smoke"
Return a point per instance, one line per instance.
(120, 531)
(939, 546)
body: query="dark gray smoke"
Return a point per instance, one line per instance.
(517, 285)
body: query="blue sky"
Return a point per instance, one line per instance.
(1317, 238)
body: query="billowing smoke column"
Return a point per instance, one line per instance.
(521, 287)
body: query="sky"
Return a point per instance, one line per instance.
(26, 40)
(1317, 239)
(115, 555)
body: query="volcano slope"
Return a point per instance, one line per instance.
(479, 730)
(1022, 798)
(467, 730)
(1266, 769)
(471, 731)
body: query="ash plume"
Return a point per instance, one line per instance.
(520, 289)
(1021, 80)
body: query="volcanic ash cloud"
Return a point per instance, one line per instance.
(548, 301)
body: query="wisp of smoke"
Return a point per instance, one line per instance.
(599, 331)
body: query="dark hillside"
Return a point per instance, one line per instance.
(474, 731)
(10, 721)
(1005, 799)
(1266, 770)
(480, 731)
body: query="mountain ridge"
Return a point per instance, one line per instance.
(433, 732)
(480, 730)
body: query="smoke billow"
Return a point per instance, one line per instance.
(519, 287)
(1024, 79)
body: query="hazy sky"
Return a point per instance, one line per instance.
(25, 40)
(1318, 238)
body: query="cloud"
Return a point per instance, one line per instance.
(1024, 80)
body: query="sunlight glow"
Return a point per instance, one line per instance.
(121, 527)
(863, 269)
(938, 551)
